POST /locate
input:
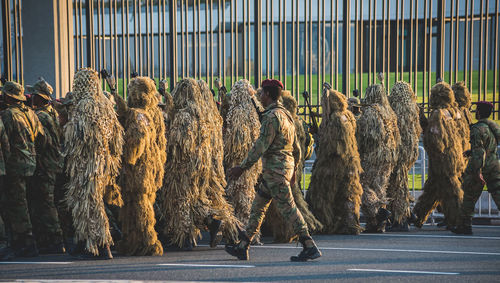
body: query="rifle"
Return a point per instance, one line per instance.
(314, 126)
(221, 88)
(110, 80)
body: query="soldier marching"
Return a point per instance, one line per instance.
(60, 160)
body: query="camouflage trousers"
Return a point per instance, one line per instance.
(473, 188)
(42, 208)
(63, 212)
(275, 188)
(15, 210)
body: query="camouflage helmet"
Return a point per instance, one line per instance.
(42, 89)
(14, 90)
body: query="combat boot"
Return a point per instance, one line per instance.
(239, 250)
(213, 228)
(399, 227)
(465, 228)
(311, 252)
(383, 219)
(104, 254)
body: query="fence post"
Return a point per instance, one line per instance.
(89, 31)
(441, 8)
(172, 20)
(258, 42)
(346, 45)
(7, 44)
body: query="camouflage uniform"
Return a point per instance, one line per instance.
(4, 154)
(41, 192)
(278, 146)
(484, 140)
(23, 128)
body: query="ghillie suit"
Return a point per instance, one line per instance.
(464, 118)
(378, 138)
(193, 190)
(404, 103)
(334, 193)
(93, 140)
(443, 145)
(143, 163)
(242, 130)
(281, 228)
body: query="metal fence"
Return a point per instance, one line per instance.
(301, 42)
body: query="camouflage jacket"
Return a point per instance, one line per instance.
(484, 138)
(23, 129)
(277, 143)
(49, 153)
(4, 149)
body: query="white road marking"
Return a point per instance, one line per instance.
(404, 271)
(431, 236)
(207, 265)
(36, 262)
(383, 250)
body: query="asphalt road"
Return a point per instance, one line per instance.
(427, 255)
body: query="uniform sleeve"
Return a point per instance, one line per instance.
(478, 154)
(135, 139)
(267, 134)
(297, 152)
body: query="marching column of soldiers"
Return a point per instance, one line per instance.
(92, 172)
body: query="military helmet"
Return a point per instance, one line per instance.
(14, 90)
(42, 89)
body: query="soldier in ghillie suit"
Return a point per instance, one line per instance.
(354, 106)
(334, 193)
(378, 138)
(193, 190)
(404, 103)
(483, 167)
(282, 230)
(278, 146)
(93, 139)
(23, 130)
(240, 134)
(49, 161)
(444, 148)
(143, 154)
(464, 117)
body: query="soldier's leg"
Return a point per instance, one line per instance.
(40, 196)
(260, 205)
(451, 198)
(472, 190)
(427, 202)
(17, 216)
(493, 184)
(63, 212)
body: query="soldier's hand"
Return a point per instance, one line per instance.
(235, 172)
(467, 153)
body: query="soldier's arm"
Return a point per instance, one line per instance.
(4, 149)
(135, 138)
(121, 105)
(297, 152)
(266, 137)
(478, 154)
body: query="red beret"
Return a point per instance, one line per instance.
(273, 83)
(485, 104)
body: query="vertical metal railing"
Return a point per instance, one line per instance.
(302, 42)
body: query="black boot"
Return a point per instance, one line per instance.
(383, 216)
(214, 228)
(84, 254)
(239, 250)
(399, 227)
(465, 228)
(307, 252)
